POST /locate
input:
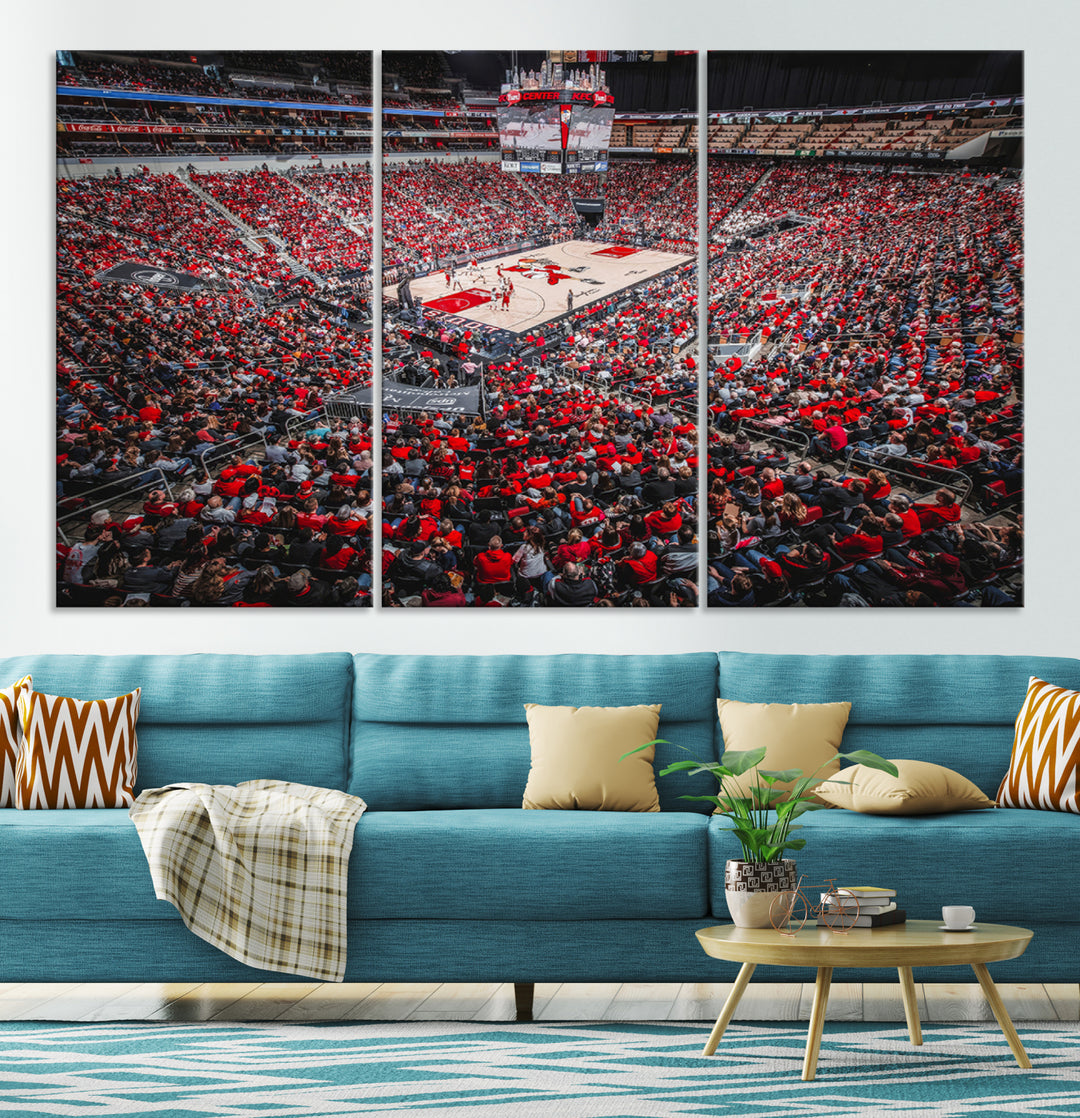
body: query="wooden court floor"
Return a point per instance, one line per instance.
(483, 1001)
(584, 267)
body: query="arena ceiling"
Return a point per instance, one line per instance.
(808, 79)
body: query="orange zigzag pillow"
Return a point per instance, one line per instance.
(9, 739)
(75, 753)
(1045, 763)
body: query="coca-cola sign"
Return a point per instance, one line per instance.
(147, 129)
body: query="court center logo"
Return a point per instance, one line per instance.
(149, 275)
(538, 269)
(159, 279)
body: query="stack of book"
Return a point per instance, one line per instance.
(876, 907)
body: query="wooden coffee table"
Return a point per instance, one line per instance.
(918, 943)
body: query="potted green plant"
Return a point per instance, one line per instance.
(763, 823)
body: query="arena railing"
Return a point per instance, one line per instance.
(333, 409)
(932, 478)
(120, 492)
(239, 442)
(748, 340)
(611, 388)
(84, 512)
(298, 422)
(856, 335)
(792, 437)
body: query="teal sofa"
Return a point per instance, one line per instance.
(450, 880)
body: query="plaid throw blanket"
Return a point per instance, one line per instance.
(258, 870)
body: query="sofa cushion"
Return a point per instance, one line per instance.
(451, 732)
(1006, 864)
(579, 758)
(75, 865)
(955, 710)
(1046, 751)
(219, 719)
(509, 863)
(488, 864)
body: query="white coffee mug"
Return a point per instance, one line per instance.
(957, 916)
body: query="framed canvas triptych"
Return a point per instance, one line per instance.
(622, 350)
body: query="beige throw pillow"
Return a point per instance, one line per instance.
(575, 758)
(920, 788)
(796, 736)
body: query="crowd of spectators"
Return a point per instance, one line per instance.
(173, 76)
(578, 487)
(206, 394)
(313, 234)
(143, 74)
(161, 212)
(562, 496)
(345, 190)
(413, 71)
(860, 444)
(434, 210)
(657, 200)
(331, 65)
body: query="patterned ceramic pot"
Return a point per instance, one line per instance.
(751, 887)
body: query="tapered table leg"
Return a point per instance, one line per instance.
(817, 1021)
(1001, 1013)
(911, 1004)
(730, 1006)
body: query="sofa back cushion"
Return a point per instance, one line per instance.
(451, 732)
(957, 711)
(218, 719)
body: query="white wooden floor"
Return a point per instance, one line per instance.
(602, 1001)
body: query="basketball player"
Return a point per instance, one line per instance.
(506, 299)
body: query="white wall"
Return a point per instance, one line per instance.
(1047, 31)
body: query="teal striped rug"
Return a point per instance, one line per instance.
(606, 1070)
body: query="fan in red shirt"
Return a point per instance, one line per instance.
(638, 568)
(664, 521)
(945, 510)
(863, 543)
(901, 505)
(494, 569)
(575, 550)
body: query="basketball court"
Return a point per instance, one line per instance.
(542, 278)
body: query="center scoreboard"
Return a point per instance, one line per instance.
(555, 131)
